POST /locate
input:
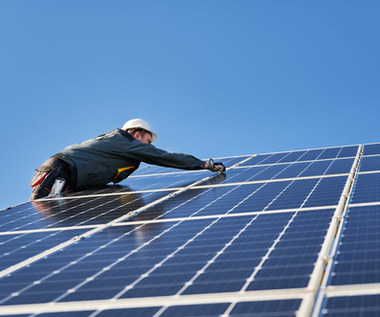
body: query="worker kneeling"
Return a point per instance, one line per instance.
(110, 157)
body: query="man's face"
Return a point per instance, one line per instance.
(143, 137)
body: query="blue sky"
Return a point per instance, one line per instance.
(214, 78)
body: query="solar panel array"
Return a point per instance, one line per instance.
(278, 234)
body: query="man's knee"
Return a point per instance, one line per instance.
(45, 176)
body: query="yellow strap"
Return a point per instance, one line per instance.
(122, 169)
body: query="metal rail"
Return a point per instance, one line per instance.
(322, 264)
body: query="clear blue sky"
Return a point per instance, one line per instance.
(213, 77)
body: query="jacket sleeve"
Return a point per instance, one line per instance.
(150, 154)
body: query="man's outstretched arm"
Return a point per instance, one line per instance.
(150, 154)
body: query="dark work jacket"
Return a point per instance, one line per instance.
(112, 157)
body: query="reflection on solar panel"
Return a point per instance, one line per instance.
(278, 234)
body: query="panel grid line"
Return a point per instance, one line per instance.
(156, 301)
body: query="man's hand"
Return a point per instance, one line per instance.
(215, 166)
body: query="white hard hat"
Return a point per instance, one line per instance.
(139, 123)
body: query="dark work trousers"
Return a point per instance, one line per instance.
(45, 176)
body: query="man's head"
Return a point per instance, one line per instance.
(140, 130)
(142, 135)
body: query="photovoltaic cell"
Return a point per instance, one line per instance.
(293, 195)
(311, 155)
(298, 169)
(329, 153)
(352, 306)
(371, 149)
(275, 158)
(269, 172)
(370, 163)
(256, 160)
(316, 168)
(349, 151)
(358, 257)
(265, 308)
(366, 188)
(340, 166)
(327, 192)
(292, 157)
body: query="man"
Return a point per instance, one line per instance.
(110, 157)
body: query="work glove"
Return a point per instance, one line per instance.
(216, 166)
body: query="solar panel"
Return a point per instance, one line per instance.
(279, 234)
(351, 284)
